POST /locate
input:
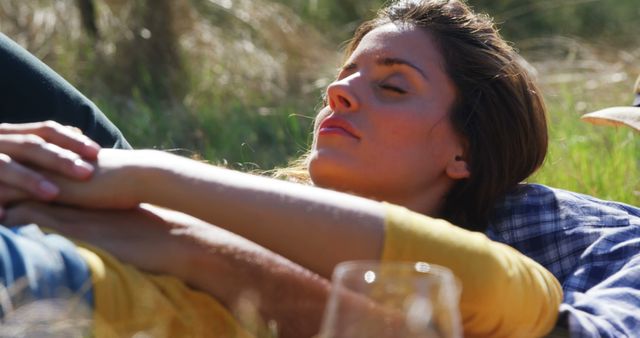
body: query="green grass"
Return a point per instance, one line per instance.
(244, 92)
(598, 160)
(241, 136)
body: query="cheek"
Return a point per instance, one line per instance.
(417, 140)
(444, 143)
(404, 133)
(399, 150)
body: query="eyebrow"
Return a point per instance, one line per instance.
(390, 62)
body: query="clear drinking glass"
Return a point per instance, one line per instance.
(391, 300)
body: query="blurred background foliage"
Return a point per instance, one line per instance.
(239, 81)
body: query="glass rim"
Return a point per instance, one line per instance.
(417, 266)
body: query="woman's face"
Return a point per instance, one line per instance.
(386, 132)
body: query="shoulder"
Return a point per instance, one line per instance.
(535, 204)
(557, 227)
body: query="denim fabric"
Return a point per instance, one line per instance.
(36, 266)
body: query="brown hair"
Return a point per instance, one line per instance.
(498, 108)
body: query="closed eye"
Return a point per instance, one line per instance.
(392, 88)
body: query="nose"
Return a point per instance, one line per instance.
(341, 95)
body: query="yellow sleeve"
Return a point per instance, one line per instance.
(504, 293)
(128, 301)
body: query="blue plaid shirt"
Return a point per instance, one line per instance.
(591, 246)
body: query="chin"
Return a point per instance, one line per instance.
(325, 175)
(330, 178)
(321, 175)
(338, 171)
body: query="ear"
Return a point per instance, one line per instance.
(458, 168)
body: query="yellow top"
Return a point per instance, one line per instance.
(504, 293)
(128, 301)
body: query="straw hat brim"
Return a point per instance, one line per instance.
(615, 116)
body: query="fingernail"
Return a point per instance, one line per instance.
(82, 168)
(91, 144)
(47, 188)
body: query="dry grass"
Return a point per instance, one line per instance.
(244, 77)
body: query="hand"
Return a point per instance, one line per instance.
(48, 146)
(133, 236)
(118, 181)
(206, 257)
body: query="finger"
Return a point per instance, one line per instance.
(15, 176)
(26, 213)
(74, 129)
(34, 150)
(57, 218)
(53, 132)
(9, 195)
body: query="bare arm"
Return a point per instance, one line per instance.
(316, 228)
(208, 258)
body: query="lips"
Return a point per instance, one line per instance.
(337, 126)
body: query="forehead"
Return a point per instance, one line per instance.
(405, 41)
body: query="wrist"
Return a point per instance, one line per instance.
(167, 180)
(147, 173)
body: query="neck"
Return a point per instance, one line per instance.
(428, 202)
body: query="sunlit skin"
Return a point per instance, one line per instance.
(386, 132)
